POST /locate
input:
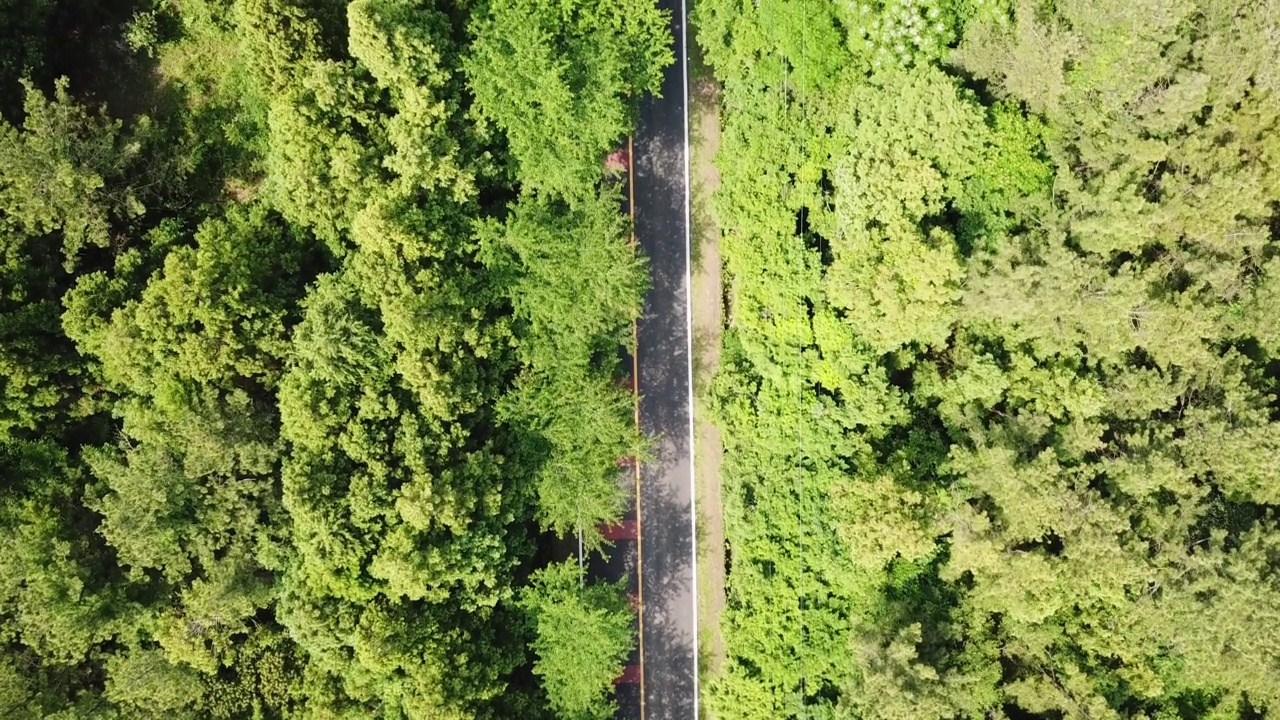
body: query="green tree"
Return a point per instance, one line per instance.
(280, 401)
(575, 285)
(70, 172)
(995, 391)
(574, 280)
(57, 597)
(560, 80)
(584, 635)
(576, 425)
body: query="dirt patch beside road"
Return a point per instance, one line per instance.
(704, 138)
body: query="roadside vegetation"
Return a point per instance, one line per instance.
(310, 314)
(998, 380)
(308, 337)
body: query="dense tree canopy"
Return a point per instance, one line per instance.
(309, 325)
(999, 383)
(295, 389)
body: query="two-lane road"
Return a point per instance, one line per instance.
(661, 186)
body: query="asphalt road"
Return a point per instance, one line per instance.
(669, 627)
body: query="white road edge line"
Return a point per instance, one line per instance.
(688, 336)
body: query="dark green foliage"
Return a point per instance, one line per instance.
(291, 373)
(24, 28)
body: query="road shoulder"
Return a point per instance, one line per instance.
(704, 126)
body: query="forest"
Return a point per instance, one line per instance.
(312, 311)
(295, 392)
(999, 378)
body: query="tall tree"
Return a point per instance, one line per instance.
(560, 80)
(584, 635)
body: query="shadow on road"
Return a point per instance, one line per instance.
(670, 654)
(666, 488)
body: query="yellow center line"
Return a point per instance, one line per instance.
(635, 395)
